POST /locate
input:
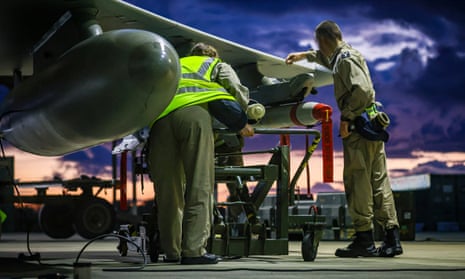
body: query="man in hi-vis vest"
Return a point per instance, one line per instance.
(181, 152)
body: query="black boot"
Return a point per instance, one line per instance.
(391, 245)
(362, 246)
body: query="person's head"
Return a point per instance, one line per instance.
(328, 35)
(202, 49)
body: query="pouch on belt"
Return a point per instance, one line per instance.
(372, 124)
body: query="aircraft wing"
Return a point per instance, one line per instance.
(119, 14)
(26, 47)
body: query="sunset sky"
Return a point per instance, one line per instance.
(414, 50)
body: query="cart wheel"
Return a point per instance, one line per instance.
(154, 247)
(94, 218)
(309, 249)
(56, 220)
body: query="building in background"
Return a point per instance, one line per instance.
(439, 200)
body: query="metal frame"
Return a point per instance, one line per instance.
(255, 237)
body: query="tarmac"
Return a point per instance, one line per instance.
(431, 255)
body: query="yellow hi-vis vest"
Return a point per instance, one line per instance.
(195, 86)
(2, 216)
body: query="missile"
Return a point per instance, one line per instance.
(102, 89)
(305, 114)
(301, 114)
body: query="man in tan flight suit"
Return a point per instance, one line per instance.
(366, 181)
(181, 153)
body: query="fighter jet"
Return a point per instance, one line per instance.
(86, 72)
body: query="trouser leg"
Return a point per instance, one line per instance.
(166, 170)
(357, 182)
(359, 193)
(384, 206)
(193, 128)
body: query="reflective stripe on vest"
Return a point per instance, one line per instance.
(204, 67)
(194, 89)
(196, 74)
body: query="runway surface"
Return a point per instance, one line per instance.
(432, 255)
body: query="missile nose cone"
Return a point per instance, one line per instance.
(154, 72)
(154, 63)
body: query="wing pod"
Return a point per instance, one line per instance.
(104, 88)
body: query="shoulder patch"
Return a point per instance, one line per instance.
(345, 54)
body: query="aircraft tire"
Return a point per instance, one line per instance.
(95, 217)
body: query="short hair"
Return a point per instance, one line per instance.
(202, 49)
(329, 29)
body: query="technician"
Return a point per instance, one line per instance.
(366, 181)
(181, 152)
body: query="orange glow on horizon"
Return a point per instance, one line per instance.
(36, 168)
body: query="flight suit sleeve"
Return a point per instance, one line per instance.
(225, 75)
(317, 57)
(359, 92)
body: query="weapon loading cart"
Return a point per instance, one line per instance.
(235, 236)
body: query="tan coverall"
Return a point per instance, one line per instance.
(181, 163)
(366, 181)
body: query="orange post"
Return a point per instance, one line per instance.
(323, 113)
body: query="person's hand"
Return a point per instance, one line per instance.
(344, 129)
(295, 56)
(247, 131)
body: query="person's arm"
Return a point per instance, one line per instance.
(310, 55)
(225, 75)
(359, 89)
(247, 131)
(296, 56)
(231, 115)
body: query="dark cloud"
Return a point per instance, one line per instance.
(457, 128)
(439, 167)
(443, 81)
(432, 136)
(432, 17)
(432, 131)
(425, 103)
(92, 162)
